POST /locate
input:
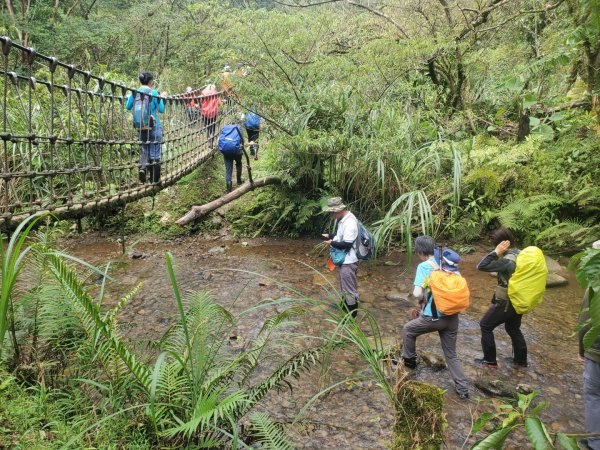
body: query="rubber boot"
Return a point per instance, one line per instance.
(229, 186)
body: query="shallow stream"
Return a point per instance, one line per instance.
(353, 415)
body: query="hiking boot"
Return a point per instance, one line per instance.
(410, 363)
(346, 308)
(229, 186)
(516, 364)
(486, 364)
(142, 176)
(240, 181)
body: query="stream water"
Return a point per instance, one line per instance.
(353, 415)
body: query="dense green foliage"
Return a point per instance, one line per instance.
(427, 118)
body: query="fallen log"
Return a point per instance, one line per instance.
(200, 211)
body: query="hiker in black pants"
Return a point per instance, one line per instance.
(503, 261)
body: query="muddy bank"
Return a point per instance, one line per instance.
(354, 415)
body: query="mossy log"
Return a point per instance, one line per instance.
(200, 211)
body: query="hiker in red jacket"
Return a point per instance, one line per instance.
(210, 101)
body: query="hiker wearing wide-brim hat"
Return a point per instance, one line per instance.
(334, 205)
(342, 251)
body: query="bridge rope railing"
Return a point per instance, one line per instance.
(68, 144)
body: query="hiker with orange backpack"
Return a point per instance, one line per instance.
(443, 293)
(521, 283)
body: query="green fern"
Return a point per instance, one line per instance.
(517, 214)
(270, 435)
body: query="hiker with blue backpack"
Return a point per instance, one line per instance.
(442, 293)
(231, 145)
(252, 125)
(351, 242)
(146, 104)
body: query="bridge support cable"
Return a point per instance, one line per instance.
(68, 145)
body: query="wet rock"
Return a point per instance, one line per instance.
(136, 255)
(495, 387)
(555, 280)
(217, 250)
(553, 265)
(165, 219)
(524, 388)
(434, 361)
(391, 263)
(396, 297)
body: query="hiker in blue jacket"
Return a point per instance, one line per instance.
(231, 145)
(150, 138)
(252, 125)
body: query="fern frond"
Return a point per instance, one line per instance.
(111, 316)
(89, 314)
(292, 367)
(271, 436)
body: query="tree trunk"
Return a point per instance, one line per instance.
(200, 211)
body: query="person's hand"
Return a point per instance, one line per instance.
(163, 94)
(502, 247)
(328, 241)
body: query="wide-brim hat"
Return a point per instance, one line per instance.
(450, 260)
(334, 204)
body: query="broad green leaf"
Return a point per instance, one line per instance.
(534, 122)
(494, 440)
(529, 100)
(567, 442)
(537, 434)
(482, 422)
(591, 336)
(557, 116)
(546, 132)
(511, 419)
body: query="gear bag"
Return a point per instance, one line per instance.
(365, 243)
(252, 121)
(230, 140)
(449, 290)
(528, 283)
(142, 116)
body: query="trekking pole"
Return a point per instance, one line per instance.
(248, 166)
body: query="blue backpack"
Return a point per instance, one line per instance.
(142, 116)
(230, 140)
(365, 243)
(252, 121)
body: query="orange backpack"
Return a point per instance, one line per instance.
(450, 292)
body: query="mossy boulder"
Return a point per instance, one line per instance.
(420, 419)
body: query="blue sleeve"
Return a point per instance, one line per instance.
(129, 104)
(423, 271)
(158, 104)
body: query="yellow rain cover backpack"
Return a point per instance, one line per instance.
(528, 283)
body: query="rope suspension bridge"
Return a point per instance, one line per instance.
(68, 144)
